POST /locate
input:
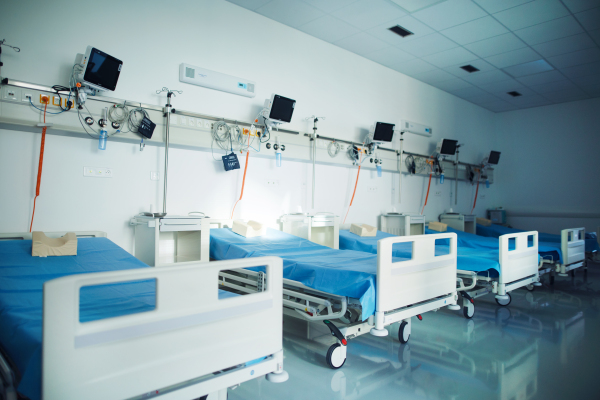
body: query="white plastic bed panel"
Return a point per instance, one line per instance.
(522, 261)
(191, 332)
(424, 277)
(572, 245)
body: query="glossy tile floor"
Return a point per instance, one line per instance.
(544, 345)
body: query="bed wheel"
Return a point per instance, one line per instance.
(336, 356)
(403, 334)
(468, 312)
(530, 287)
(504, 301)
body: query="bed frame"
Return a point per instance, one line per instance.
(189, 346)
(405, 289)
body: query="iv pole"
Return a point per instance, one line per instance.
(167, 110)
(314, 156)
(456, 176)
(400, 167)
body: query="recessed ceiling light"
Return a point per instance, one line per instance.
(469, 68)
(515, 94)
(398, 30)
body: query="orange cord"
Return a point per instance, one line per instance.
(428, 186)
(39, 177)
(355, 185)
(244, 179)
(476, 192)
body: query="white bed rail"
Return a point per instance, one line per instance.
(189, 335)
(27, 235)
(572, 243)
(424, 277)
(519, 263)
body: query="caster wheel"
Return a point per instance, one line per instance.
(335, 357)
(468, 312)
(403, 334)
(530, 288)
(504, 302)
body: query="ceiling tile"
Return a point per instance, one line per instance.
(530, 68)
(250, 4)
(329, 29)
(532, 13)
(584, 81)
(589, 19)
(450, 57)
(473, 31)
(576, 6)
(468, 92)
(500, 106)
(596, 36)
(553, 87)
(328, 5)
(389, 56)
(514, 57)
(593, 90)
(481, 65)
(496, 45)
(482, 78)
(289, 12)
(551, 30)
(575, 58)
(582, 70)
(366, 14)
(415, 5)
(544, 77)
(566, 95)
(494, 6)
(433, 76)
(361, 44)
(503, 87)
(413, 67)
(482, 99)
(417, 27)
(427, 45)
(565, 45)
(452, 84)
(449, 13)
(529, 100)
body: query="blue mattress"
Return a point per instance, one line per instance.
(468, 259)
(591, 241)
(341, 272)
(21, 287)
(551, 251)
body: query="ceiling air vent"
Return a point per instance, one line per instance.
(398, 30)
(469, 68)
(515, 94)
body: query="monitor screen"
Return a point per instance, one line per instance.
(383, 132)
(448, 147)
(102, 70)
(282, 108)
(494, 157)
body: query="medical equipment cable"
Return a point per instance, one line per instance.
(355, 185)
(428, 187)
(476, 191)
(41, 163)
(335, 145)
(244, 179)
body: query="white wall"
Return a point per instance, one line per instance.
(153, 38)
(550, 179)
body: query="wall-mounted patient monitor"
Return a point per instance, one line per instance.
(99, 70)
(494, 157)
(446, 147)
(383, 132)
(279, 109)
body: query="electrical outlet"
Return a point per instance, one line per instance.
(200, 123)
(207, 124)
(97, 172)
(191, 121)
(182, 120)
(273, 183)
(11, 94)
(154, 176)
(438, 194)
(372, 188)
(56, 101)
(482, 196)
(27, 97)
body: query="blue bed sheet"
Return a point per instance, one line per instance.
(468, 259)
(340, 272)
(21, 287)
(591, 240)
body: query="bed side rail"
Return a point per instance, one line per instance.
(425, 276)
(27, 235)
(572, 244)
(190, 333)
(520, 262)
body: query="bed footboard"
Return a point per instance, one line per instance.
(518, 266)
(173, 349)
(572, 243)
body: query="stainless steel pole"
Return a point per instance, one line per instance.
(166, 177)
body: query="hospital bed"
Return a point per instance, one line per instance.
(572, 243)
(365, 292)
(480, 263)
(104, 325)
